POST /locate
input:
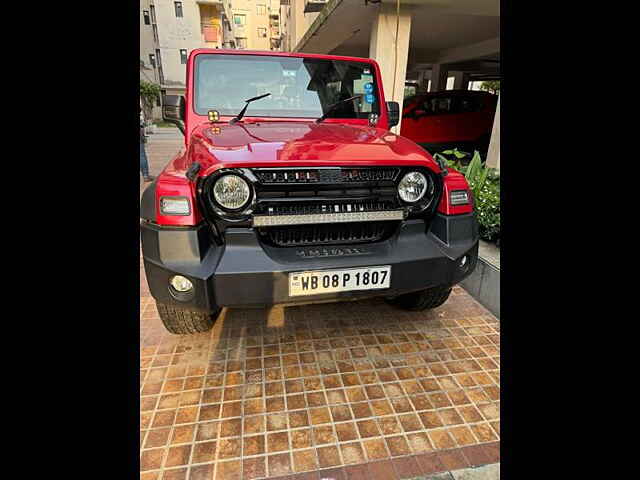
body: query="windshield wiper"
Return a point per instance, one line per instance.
(333, 107)
(244, 109)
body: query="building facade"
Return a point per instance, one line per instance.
(297, 16)
(170, 30)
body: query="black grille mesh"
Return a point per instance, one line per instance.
(306, 191)
(331, 234)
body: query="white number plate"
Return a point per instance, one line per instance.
(330, 281)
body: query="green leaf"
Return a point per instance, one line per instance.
(459, 154)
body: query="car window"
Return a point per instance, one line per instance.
(437, 105)
(299, 87)
(464, 104)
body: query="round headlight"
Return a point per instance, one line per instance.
(231, 192)
(412, 187)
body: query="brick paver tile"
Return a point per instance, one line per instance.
(357, 388)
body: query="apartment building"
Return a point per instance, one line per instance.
(169, 30)
(257, 24)
(296, 17)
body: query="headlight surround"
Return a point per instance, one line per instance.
(412, 187)
(231, 192)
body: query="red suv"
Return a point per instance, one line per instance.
(291, 189)
(452, 118)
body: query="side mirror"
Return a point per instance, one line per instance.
(173, 110)
(393, 110)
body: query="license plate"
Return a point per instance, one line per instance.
(330, 281)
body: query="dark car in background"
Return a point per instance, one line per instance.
(460, 119)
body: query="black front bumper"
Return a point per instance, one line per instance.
(245, 272)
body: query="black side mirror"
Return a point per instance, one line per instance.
(173, 110)
(393, 110)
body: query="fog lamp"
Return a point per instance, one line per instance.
(181, 284)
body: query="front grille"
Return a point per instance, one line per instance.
(291, 176)
(346, 233)
(357, 195)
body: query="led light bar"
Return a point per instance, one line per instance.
(277, 220)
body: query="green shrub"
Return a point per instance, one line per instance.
(149, 93)
(487, 204)
(484, 183)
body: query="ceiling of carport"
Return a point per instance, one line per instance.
(438, 28)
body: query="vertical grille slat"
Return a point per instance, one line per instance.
(328, 234)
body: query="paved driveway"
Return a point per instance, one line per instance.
(346, 390)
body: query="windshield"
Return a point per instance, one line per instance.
(299, 87)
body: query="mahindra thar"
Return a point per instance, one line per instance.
(291, 189)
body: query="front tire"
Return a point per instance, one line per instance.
(180, 321)
(422, 300)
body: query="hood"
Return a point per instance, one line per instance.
(273, 144)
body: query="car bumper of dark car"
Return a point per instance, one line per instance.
(246, 272)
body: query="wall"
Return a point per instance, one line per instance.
(255, 20)
(296, 23)
(186, 32)
(147, 45)
(175, 34)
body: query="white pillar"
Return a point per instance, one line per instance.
(391, 57)
(439, 74)
(460, 80)
(493, 155)
(423, 80)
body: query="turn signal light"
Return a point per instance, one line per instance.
(175, 206)
(459, 197)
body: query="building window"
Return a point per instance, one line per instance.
(153, 13)
(152, 60)
(183, 56)
(178, 6)
(147, 19)
(239, 20)
(155, 32)
(261, 9)
(262, 32)
(242, 42)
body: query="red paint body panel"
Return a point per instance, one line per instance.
(173, 183)
(449, 127)
(277, 144)
(256, 142)
(454, 181)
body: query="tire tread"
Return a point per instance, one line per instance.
(424, 299)
(183, 322)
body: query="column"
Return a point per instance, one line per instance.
(493, 155)
(439, 74)
(460, 80)
(391, 57)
